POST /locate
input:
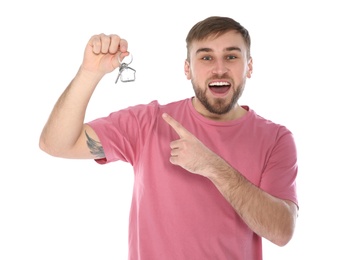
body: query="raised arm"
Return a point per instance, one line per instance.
(65, 134)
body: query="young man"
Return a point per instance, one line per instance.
(211, 177)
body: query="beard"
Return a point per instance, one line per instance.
(218, 106)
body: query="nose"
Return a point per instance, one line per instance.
(220, 67)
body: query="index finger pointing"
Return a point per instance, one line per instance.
(179, 129)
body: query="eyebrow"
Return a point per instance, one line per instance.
(210, 50)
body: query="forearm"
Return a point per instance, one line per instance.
(65, 122)
(267, 216)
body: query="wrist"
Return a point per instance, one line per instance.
(87, 77)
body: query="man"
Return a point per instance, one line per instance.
(211, 177)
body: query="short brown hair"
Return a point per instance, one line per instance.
(215, 26)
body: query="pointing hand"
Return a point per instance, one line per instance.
(188, 151)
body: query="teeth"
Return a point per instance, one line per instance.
(219, 84)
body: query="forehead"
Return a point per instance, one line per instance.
(219, 43)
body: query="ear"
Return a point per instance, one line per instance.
(187, 69)
(250, 68)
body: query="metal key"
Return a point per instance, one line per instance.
(123, 66)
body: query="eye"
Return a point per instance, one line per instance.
(207, 58)
(231, 57)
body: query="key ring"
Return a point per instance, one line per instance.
(130, 56)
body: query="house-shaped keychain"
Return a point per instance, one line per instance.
(127, 74)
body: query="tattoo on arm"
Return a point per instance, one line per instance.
(95, 147)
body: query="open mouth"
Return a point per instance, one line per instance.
(219, 87)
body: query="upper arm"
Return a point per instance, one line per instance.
(88, 145)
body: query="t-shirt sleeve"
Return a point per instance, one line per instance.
(121, 133)
(279, 177)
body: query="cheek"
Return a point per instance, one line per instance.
(197, 72)
(243, 72)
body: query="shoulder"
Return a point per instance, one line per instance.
(266, 124)
(268, 131)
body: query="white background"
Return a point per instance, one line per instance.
(53, 208)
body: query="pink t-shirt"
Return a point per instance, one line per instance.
(176, 215)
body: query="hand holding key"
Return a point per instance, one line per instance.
(103, 53)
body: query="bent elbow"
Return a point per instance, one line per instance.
(284, 236)
(44, 147)
(286, 231)
(284, 239)
(281, 240)
(48, 148)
